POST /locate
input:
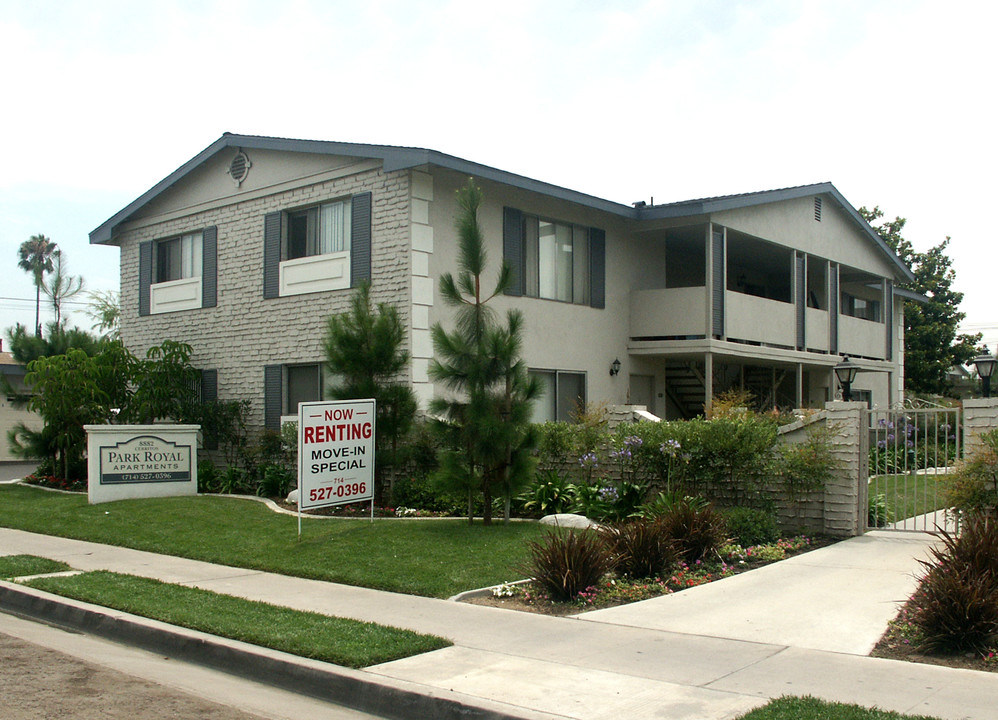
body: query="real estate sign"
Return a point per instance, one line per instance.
(335, 453)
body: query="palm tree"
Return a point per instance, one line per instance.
(35, 257)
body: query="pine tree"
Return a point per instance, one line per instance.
(364, 353)
(488, 414)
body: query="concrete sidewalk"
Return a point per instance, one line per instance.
(801, 626)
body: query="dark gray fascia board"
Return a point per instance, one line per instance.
(393, 157)
(706, 206)
(401, 158)
(911, 295)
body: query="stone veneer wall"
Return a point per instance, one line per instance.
(245, 332)
(979, 416)
(841, 509)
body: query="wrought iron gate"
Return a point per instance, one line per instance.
(911, 452)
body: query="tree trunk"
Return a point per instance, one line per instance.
(38, 307)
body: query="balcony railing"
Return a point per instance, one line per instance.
(672, 312)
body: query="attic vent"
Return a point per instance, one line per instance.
(817, 209)
(239, 168)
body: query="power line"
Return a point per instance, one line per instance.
(32, 300)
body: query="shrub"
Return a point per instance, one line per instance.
(750, 526)
(696, 531)
(207, 476)
(640, 548)
(956, 604)
(418, 492)
(275, 481)
(566, 563)
(663, 503)
(973, 487)
(879, 513)
(551, 493)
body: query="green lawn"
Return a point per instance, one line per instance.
(306, 634)
(14, 566)
(809, 708)
(435, 558)
(910, 495)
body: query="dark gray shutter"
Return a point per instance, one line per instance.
(272, 255)
(145, 276)
(273, 387)
(209, 386)
(209, 394)
(889, 318)
(717, 277)
(800, 297)
(833, 308)
(597, 268)
(360, 239)
(512, 248)
(209, 267)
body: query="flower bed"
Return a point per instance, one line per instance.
(903, 638)
(54, 483)
(615, 589)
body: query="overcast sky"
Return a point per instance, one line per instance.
(892, 101)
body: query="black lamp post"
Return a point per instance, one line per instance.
(845, 371)
(985, 368)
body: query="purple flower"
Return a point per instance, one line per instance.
(669, 447)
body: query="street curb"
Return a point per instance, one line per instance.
(356, 689)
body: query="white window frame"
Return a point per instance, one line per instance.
(183, 289)
(321, 260)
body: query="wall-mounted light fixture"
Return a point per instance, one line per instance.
(615, 367)
(985, 369)
(845, 371)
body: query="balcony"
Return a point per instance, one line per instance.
(672, 312)
(862, 338)
(759, 320)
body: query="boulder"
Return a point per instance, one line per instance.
(568, 520)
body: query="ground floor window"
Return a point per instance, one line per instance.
(563, 395)
(303, 383)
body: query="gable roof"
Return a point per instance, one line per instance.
(401, 158)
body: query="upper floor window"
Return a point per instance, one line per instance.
(861, 307)
(318, 230)
(178, 258)
(179, 273)
(318, 248)
(555, 260)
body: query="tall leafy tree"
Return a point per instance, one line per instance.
(61, 286)
(365, 354)
(35, 257)
(104, 308)
(931, 342)
(488, 412)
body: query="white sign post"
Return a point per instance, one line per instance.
(335, 454)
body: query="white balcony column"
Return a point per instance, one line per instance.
(799, 400)
(708, 382)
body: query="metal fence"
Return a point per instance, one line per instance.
(911, 452)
